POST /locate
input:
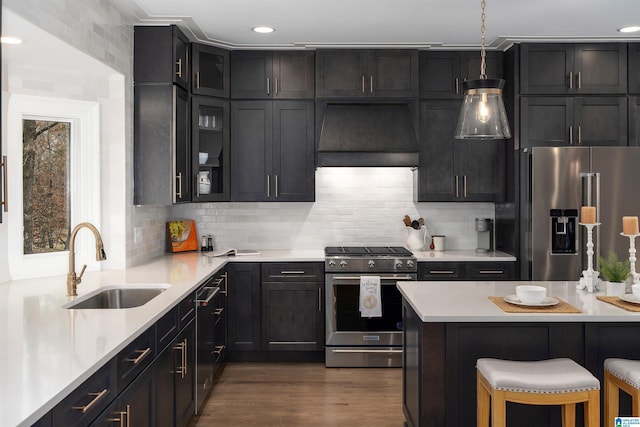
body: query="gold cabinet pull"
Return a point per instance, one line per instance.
(179, 70)
(570, 79)
(143, 353)
(457, 83)
(179, 189)
(219, 349)
(579, 134)
(276, 84)
(277, 186)
(182, 370)
(441, 271)
(457, 190)
(122, 416)
(5, 185)
(268, 185)
(370, 84)
(218, 311)
(491, 272)
(319, 298)
(96, 399)
(198, 80)
(570, 135)
(464, 185)
(268, 86)
(362, 80)
(579, 80)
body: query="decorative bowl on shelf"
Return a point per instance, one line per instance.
(202, 157)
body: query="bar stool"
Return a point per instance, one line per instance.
(545, 382)
(621, 374)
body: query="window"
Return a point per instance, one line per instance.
(54, 147)
(45, 185)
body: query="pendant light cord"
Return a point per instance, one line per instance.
(483, 54)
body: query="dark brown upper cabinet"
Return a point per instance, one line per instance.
(452, 170)
(210, 71)
(560, 69)
(573, 121)
(367, 73)
(272, 75)
(161, 55)
(634, 68)
(442, 73)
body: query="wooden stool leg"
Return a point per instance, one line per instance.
(592, 410)
(635, 405)
(569, 415)
(611, 398)
(498, 409)
(483, 400)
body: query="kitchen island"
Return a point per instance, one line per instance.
(449, 325)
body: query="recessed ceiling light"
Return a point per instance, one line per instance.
(632, 29)
(10, 40)
(263, 30)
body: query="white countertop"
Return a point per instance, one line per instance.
(47, 351)
(459, 255)
(468, 302)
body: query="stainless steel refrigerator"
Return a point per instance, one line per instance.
(554, 183)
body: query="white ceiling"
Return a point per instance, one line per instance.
(449, 24)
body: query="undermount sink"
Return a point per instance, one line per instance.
(117, 297)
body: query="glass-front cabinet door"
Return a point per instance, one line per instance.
(210, 68)
(210, 148)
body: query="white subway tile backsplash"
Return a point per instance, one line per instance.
(354, 206)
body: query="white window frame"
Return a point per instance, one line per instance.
(84, 181)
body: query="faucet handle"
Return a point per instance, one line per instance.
(79, 278)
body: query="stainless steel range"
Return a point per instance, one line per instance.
(351, 338)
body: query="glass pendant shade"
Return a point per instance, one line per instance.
(483, 115)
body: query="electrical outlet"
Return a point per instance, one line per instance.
(137, 234)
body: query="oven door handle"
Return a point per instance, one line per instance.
(381, 277)
(366, 351)
(213, 290)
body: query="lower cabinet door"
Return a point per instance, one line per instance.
(292, 316)
(185, 378)
(134, 407)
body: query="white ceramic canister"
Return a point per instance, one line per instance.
(204, 182)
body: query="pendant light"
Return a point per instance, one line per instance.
(483, 115)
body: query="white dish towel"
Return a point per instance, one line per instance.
(370, 300)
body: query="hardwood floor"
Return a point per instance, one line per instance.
(280, 394)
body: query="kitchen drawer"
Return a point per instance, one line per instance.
(166, 329)
(294, 272)
(441, 271)
(135, 357)
(187, 310)
(87, 401)
(491, 271)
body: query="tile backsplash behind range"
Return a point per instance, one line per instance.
(354, 206)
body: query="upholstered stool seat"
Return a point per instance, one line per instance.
(621, 374)
(545, 382)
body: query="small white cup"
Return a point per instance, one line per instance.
(438, 242)
(636, 290)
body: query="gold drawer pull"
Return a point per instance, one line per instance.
(219, 349)
(491, 271)
(143, 354)
(91, 404)
(441, 272)
(218, 311)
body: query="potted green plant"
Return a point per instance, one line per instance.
(615, 272)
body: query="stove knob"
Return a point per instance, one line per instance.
(399, 263)
(332, 263)
(343, 264)
(410, 264)
(371, 263)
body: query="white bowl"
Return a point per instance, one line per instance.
(636, 290)
(531, 294)
(202, 157)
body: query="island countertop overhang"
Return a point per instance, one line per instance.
(468, 301)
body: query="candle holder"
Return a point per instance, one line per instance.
(632, 256)
(589, 278)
